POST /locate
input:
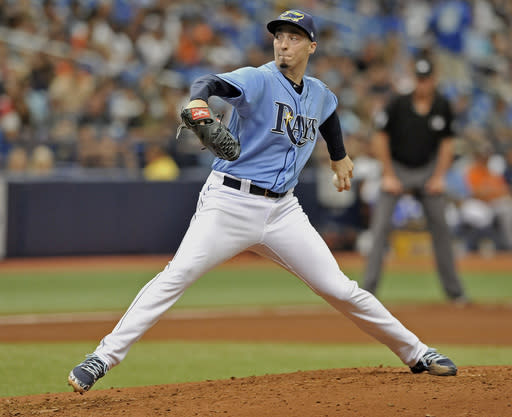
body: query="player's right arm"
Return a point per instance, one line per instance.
(341, 164)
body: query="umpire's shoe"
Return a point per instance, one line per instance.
(85, 374)
(435, 363)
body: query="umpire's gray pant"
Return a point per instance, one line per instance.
(413, 181)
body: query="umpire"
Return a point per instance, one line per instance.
(414, 142)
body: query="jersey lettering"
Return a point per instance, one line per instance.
(299, 129)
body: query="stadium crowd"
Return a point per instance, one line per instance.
(97, 86)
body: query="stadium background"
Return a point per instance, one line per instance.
(91, 91)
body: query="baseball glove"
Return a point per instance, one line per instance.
(211, 132)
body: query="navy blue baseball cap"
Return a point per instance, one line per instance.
(297, 18)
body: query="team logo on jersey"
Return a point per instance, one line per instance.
(292, 15)
(300, 129)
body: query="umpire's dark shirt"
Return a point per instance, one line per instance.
(414, 139)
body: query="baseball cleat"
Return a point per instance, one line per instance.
(435, 364)
(85, 374)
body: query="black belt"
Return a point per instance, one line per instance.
(253, 189)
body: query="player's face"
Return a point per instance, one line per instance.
(292, 47)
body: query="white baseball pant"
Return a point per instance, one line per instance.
(229, 221)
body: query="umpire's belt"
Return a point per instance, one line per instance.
(253, 189)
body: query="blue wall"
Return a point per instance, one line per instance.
(85, 218)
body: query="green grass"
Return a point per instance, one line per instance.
(71, 291)
(406, 287)
(42, 368)
(114, 290)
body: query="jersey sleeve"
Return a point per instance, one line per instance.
(332, 134)
(330, 105)
(210, 85)
(251, 84)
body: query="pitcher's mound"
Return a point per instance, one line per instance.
(361, 392)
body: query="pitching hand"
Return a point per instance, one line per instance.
(342, 173)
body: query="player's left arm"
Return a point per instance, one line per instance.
(199, 118)
(241, 88)
(341, 164)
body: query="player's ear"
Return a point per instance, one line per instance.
(312, 47)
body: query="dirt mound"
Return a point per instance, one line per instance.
(375, 392)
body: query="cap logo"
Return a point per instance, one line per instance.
(292, 15)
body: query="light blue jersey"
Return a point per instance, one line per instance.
(277, 127)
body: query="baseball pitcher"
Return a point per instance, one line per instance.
(247, 202)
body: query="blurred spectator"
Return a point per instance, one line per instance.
(194, 36)
(126, 108)
(108, 151)
(95, 81)
(10, 127)
(3, 216)
(71, 87)
(112, 153)
(159, 165)
(449, 23)
(508, 169)
(500, 122)
(62, 139)
(490, 188)
(41, 161)
(121, 53)
(154, 45)
(17, 161)
(86, 146)
(96, 148)
(95, 110)
(101, 62)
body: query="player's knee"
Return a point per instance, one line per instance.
(179, 277)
